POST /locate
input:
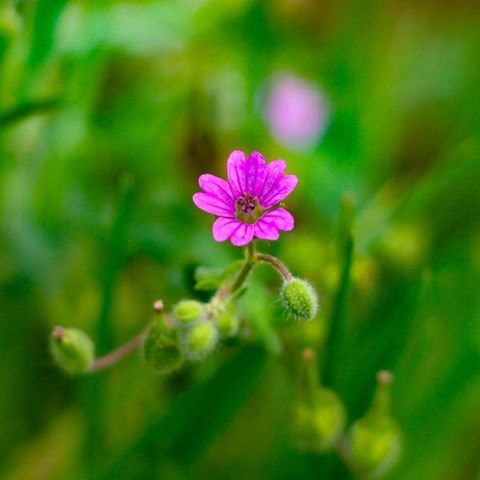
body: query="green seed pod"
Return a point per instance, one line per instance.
(160, 347)
(375, 440)
(200, 340)
(188, 311)
(318, 426)
(227, 321)
(300, 299)
(72, 350)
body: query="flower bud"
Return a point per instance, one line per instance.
(319, 419)
(72, 349)
(226, 321)
(318, 426)
(188, 311)
(200, 340)
(375, 439)
(160, 347)
(300, 299)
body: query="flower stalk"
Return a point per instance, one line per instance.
(276, 263)
(245, 270)
(117, 355)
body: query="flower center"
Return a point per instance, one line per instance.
(248, 208)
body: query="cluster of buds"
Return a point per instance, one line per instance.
(192, 330)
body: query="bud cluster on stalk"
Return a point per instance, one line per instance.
(194, 333)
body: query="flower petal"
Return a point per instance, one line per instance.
(279, 218)
(224, 227)
(236, 172)
(210, 204)
(274, 172)
(243, 234)
(282, 189)
(217, 187)
(266, 231)
(255, 173)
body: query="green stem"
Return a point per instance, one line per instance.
(245, 270)
(338, 322)
(311, 368)
(120, 353)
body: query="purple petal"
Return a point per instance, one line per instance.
(243, 234)
(236, 172)
(224, 227)
(280, 218)
(210, 204)
(265, 230)
(282, 189)
(255, 173)
(274, 172)
(218, 188)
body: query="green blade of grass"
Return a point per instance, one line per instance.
(338, 318)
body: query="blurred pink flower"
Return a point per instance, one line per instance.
(246, 203)
(296, 111)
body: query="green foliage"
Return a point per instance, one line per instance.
(211, 278)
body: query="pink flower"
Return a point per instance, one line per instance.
(245, 205)
(296, 111)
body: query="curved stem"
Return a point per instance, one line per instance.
(276, 263)
(117, 355)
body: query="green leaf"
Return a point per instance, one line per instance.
(207, 279)
(28, 109)
(47, 15)
(210, 278)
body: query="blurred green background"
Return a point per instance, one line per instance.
(110, 110)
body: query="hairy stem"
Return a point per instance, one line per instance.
(117, 355)
(245, 270)
(276, 263)
(229, 290)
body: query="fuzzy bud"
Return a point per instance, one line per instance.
(72, 350)
(300, 299)
(188, 311)
(375, 439)
(200, 340)
(160, 347)
(226, 321)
